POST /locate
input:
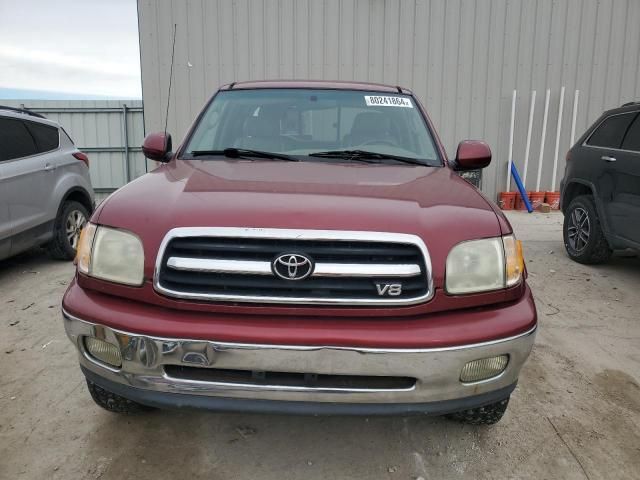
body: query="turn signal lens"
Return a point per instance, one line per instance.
(83, 254)
(483, 369)
(103, 351)
(514, 260)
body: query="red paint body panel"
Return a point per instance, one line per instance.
(439, 303)
(461, 327)
(306, 195)
(431, 202)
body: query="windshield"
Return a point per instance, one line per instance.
(303, 122)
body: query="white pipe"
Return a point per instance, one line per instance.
(558, 128)
(513, 122)
(532, 108)
(543, 138)
(574, 116)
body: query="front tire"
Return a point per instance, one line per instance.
(71, 220)
(487, 415)
(584, 238)
(113, 402)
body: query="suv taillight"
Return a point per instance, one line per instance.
(82, 157)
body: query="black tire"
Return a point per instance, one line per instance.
(113, 402)
(584, 239)
(487, 415)
(62, 247)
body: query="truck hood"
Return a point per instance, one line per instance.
(432, 202)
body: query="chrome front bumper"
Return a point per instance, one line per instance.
(437, 370)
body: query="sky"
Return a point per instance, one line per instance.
(69, 49)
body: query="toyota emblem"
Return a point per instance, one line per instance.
(292, 266)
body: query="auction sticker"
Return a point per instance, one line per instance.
(386, 101)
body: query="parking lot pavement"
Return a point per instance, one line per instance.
(574, 415)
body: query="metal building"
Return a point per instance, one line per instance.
(463, 58)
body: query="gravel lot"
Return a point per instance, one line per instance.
(574, 415)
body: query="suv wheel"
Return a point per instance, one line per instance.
(113, 402)
(487, 415)
(584, 239)
(66, 233)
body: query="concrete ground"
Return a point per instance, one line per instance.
(574, 415)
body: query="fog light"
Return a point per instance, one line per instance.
(104, 351)
(484, 368)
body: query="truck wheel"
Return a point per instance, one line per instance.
(113, 402)
(487, 415)
(71, 220)
(584, 239)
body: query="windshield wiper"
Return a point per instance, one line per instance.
(365, 155)
(244, 153)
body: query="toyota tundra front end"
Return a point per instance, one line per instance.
(308, 248)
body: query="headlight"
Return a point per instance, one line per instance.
(484, 265)
(111, 254)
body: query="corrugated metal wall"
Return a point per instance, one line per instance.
(97, 128)
(463, 58)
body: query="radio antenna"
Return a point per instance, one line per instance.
(173, 51)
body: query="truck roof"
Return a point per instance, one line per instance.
(317, 84)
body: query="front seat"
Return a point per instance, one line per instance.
(369, 127)
(261, 133)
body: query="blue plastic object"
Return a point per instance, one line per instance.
(521, 189)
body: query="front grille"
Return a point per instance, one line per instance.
(289, 379)
(348, 267)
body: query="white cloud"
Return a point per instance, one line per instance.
(39, 57)
(85, 47)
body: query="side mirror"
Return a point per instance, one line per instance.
(157, 146)
(472, 155)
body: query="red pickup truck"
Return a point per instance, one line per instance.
(308, 248)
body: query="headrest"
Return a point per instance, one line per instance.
(370, 123)
(261, 126)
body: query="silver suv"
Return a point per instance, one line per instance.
(45, 190)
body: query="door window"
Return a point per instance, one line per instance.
(611, 132)
(632, 138)
(47, 137)
(15, 140)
